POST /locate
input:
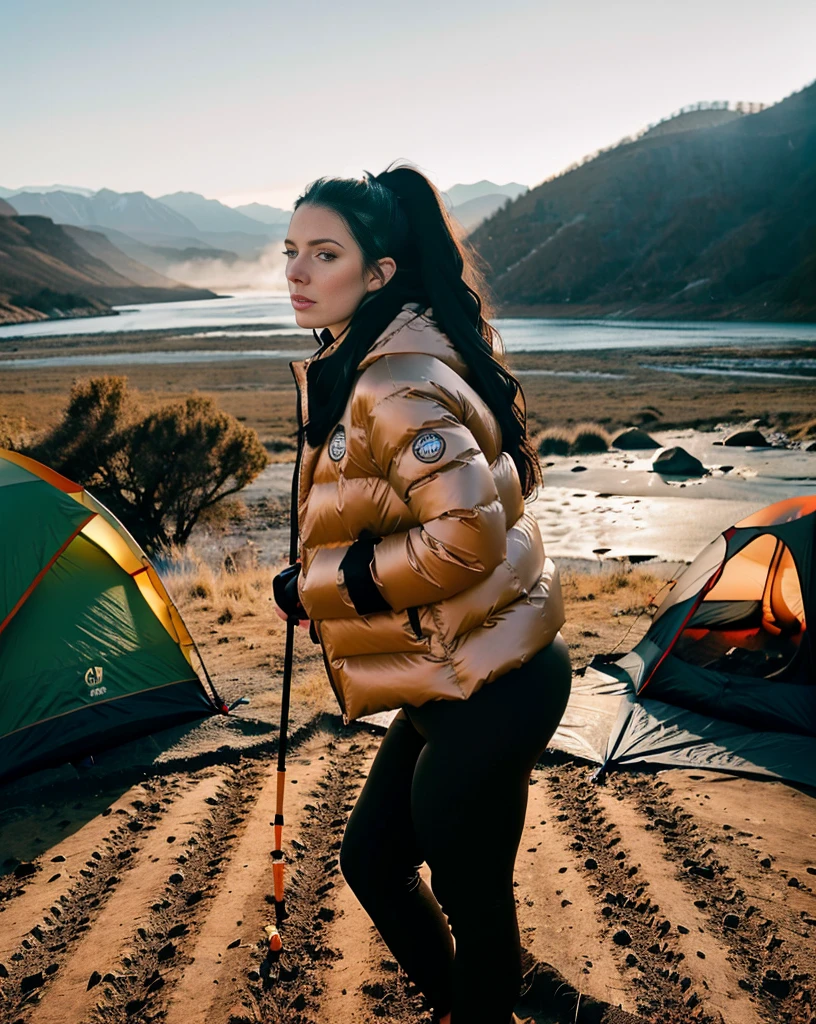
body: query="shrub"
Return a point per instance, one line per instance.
(588, 438)
(158, 472)
(553, 441)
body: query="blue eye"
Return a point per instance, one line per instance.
(323, 252)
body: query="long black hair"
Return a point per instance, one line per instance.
(400, 213)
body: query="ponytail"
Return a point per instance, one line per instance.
(400, 214)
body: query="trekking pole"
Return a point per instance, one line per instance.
(275, 965)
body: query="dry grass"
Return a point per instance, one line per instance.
(194, 584)
(231, 615)
(582, 439)
(608, 611)
(804, 431)
(588, 438)
(553, 441)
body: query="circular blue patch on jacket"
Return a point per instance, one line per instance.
(337, 444)
(429, 446)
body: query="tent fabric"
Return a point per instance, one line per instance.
(92, 649)
(725, 676)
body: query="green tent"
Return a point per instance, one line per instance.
(93, 651)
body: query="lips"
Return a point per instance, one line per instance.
(300, 302)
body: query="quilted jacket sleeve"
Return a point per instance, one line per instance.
(422, 446)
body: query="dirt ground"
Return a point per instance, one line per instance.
(137, 890)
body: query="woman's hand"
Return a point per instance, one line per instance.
(287, 599)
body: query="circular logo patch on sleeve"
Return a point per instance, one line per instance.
(429, 446)
(337, 444)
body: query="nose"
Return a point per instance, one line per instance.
(294, 271)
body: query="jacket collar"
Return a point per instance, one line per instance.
(413, 330)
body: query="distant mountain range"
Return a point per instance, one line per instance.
(51, 271)
(265, 214)
(709, 214)
(75, 251)
(473, 204)
(178, 221)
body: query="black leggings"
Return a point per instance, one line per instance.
(449, 786)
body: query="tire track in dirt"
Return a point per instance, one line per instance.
(365, 981)
(163, 951)
(637, 932)
(228, 948)
(40, 953)
(95, 956)
(53, 874)
(767, 933)
(705, 959)
(558, 925)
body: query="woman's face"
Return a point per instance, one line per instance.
(325, 266)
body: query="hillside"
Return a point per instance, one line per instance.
(98, 245)
(702, 222)
(46, 272)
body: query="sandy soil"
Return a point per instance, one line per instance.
(137, 890)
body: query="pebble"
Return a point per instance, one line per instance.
(622, 938)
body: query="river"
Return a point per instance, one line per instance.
(255, 315)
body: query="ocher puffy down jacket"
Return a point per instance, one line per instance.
(458, 589)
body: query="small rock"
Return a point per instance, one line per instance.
(167, 952)
(234, 944)
(776, 985)
(590, 863)
(622, 938)
(731, 921)
(32, 981)
(176, 878)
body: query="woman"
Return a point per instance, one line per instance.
(423, 576)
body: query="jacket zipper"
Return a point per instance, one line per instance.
(293, 530)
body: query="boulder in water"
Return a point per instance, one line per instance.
(677, 462)
(633, 439)
(746, 439)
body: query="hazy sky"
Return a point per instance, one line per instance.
(244, 100)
